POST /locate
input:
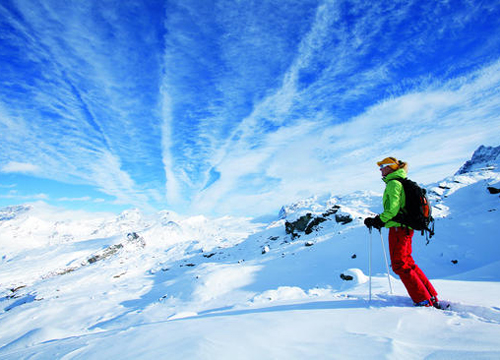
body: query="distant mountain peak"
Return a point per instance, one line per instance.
(11, 212)
(484, 157)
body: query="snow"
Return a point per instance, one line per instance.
(76, 286)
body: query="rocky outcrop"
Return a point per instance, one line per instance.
(308, 223)
(343, 218)
(346, 277)
(493, 190)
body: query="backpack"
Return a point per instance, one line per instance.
(417, 212)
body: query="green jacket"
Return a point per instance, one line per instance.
(394, 198)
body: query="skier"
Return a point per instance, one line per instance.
(417, 284)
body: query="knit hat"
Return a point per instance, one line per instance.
(391, 162)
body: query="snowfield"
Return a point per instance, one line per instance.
(164, 286)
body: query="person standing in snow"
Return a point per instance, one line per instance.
(417, 284)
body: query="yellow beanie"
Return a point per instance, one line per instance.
(391, 162)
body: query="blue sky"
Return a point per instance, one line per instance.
(238, 107)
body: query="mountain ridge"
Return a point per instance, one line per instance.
(484, 157)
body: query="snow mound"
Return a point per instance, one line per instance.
(280, 294)
(355, 276)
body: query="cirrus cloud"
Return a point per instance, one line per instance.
(19, 167)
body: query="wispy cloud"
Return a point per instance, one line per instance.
(7, 186)
(15, 195)
(83, 198)
(17, 167)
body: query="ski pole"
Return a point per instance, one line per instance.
(370, 267)
(386, 263)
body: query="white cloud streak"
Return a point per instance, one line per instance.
(17, 167)
(14, 195)
(172, 187)
(84, 198)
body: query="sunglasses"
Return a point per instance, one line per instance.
(385, 165)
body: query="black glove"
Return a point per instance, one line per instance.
(374, 222)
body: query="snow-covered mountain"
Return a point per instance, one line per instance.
(80, 286)
(484, 158)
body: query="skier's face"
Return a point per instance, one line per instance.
(386, 171)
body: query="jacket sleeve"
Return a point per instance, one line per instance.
(392, 200)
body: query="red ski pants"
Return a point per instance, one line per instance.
(418, 286)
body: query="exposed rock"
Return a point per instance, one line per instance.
(119, 275)
(493, 190)
(133, 237)
(111, 250)
(17, 288)
(333, 210)
(313, 224)
(300, 224)
(14, 291)
(308, 223)
(346, 277)
(309, 243)
(343, 219)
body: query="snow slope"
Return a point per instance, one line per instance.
(76, 286)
